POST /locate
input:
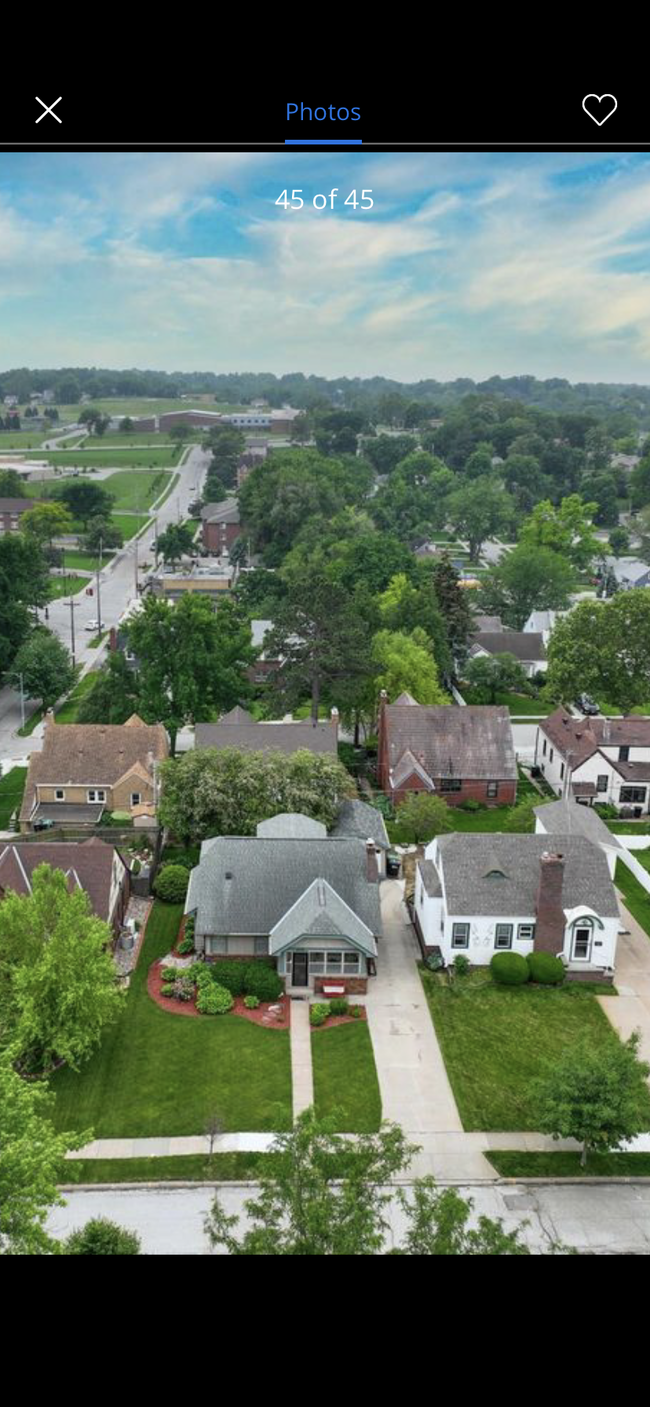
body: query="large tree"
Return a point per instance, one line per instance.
(453, 602)
(43, 666)
(24, 584)
(480, 510)
(321, 1197)
(405, 606)
(421, 816)
(566, 529)
(192, 659)
(31, 1163)
(58, 983)
(86, 500)
(603, 648)
(404, 663)
(176, 541)
(597, 1095)
(527, 579)
(490, 675)
(45, 521)
(114, 695)
(226, 791)
(321, 637)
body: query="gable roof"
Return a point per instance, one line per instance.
(364, 821)
(523, 644)
(266, 737)
(568, 818)
(92, 754)
(87, 864)
(322, 913)
(16, 505)
(584, 736)
(225, 512)
(267, 877)
(446, 741)
(472, 885)
(292, 825)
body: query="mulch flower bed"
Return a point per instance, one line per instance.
(342, 1020)
(263, 1015)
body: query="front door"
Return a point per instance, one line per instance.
(300, 970)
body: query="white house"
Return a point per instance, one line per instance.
(596, 759)
(527, 647)
(487, 893)
(542, 623)
(568, 818)
(630, 572)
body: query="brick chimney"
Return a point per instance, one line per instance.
(549, 933)
(372, 865)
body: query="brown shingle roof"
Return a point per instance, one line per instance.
(473, 742)
(15, 505)
(88, 865)
(93, 754)
(584, 736)
(268, 737)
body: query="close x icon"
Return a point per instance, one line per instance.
(49, 111)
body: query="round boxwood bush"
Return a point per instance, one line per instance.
(318, 1013)
(101, 1237)
(262, 981)
(213, 1000)
(509, 969)
(171, 883)
(545, 968)
(251, 1003)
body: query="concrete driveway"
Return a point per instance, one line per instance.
(415, 1089)
(630, 1010)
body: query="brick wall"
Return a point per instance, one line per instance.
(471, 790)
(352, 985)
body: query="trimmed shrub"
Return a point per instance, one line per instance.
(190, 925)
(186, 946)
(435, 961)
(262, 981)
(198, 972)
(167, 989)
(169, 974)
(461, 965)
(606, 811)
(101, 1237)
(213, 1000)
(339, 1006)
(318, 1013)
(251, 1003)
(171, 883)
(355, 1011)
(509, 969)
(230, 975)
(471, 805)
(183, 989)
(545, 968)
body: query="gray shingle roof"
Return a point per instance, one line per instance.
(470, 888)
(360, 819)
(225, 512)
(268, 737)
(269, 875)
(473, 742)
(523, 644)
(430, 878)
(322, 913)
(292, 825)
(568, 818)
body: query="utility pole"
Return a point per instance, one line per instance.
(99, 599)
(72, 606)
(136, 565)
(155, 536)
(22, 702)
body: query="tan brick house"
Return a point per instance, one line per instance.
(86, 769)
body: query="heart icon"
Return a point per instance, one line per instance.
(606, 104)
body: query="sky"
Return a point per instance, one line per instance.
(468, 264)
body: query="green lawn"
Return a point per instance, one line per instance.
(637, 899)
(67, 713)
(188, 1167)
(554, 1165)
(519, 705)
(345, 1078)
(157, 1074)
(97, 458)
(22, 439)
(66, 586)
(12, 786)
(496, 1040)
(129, 524)
(136, 491)
(609, 710)
(84, 561)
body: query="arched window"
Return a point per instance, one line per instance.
(583, 935)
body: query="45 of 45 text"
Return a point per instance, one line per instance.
(322, 202)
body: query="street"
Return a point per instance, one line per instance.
(117, 588)
(611, 1219)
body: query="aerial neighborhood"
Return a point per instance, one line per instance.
(324, 694)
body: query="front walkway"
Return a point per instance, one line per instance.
(301, 1066)
(630, 1010)
(413, 1081)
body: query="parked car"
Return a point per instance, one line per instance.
(393, 863)
(94, 625)
(43, 825)
(587, 705)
